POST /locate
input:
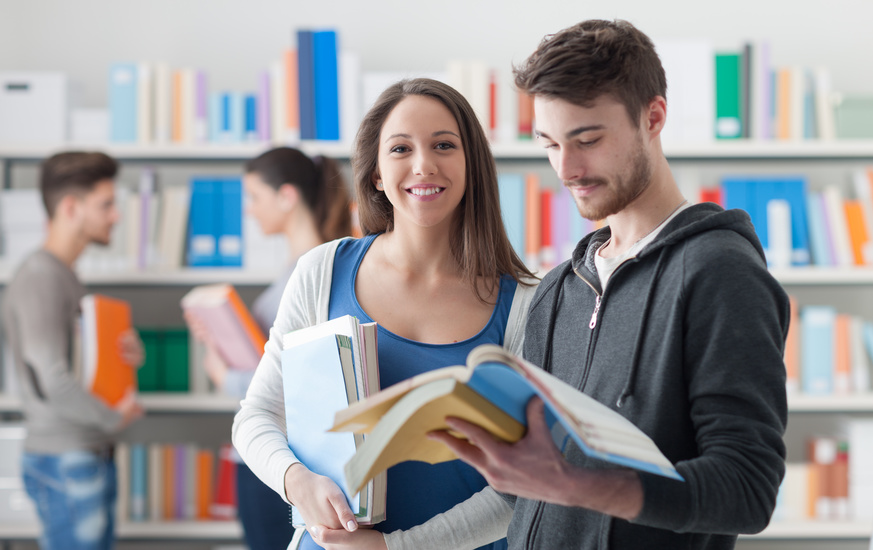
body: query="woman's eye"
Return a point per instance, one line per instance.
(445, 145)
(399, 149)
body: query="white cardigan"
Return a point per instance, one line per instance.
(259, 431)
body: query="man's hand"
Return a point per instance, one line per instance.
(130, 409)
(318, 499)
(530, 468)
(340, 539)
(198, 329)
(533, 468)
(131, 348)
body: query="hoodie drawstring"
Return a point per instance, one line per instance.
(630, 383)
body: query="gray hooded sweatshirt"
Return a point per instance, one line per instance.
(686, 342)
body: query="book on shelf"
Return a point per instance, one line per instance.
(326, 368)
(238, 338)
(492, 391)
(104, 371)
(167, 361)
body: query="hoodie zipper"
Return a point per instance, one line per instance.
(593, 322)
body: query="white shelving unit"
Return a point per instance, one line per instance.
(147, 530)
(799, 155)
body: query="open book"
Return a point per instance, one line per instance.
(492, 391)
(237, 336)
(326, 368)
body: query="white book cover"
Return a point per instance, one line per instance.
(761, 92)
(478, 87)
(507, 107)
(824, 105)
(837, 224)
(187, 107)
(351, 94)
(155, 481)
(278, 103)
(163, 104)
(122, 467)
(690, 71)
(172, 227)
(145, 104)
(859, 360)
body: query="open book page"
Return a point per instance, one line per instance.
(602, 430)
(363, 416)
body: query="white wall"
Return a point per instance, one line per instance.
(232, 40)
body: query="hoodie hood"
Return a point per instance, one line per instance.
(693, 221)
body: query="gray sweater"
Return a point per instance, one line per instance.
(687, 344)
(40, 311)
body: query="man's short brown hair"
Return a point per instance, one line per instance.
(593, 58)
(73, 173)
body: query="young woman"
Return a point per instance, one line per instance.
(435, 270)
(307, 201)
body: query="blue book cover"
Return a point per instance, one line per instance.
(250, 127)
(237, 117)
(324, 55)
(229, 230)
(306, 83)
(138, 483)
(737, 192)
(511, 187)
(818, 237)
(123, 102)
(215, 114)
(817, 325)
(509, 391)
(314, 391)
(793, 189)
(203, 222)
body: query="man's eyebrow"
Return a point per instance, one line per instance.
(575, 132)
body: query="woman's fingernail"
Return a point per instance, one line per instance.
(315, 531)
(351, 525)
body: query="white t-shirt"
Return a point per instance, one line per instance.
(607, 266)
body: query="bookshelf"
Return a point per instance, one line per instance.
(706, 162)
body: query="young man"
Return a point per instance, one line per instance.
(67, 464)
(668, 315)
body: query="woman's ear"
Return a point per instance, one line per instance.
(288, 196)
(377, 181)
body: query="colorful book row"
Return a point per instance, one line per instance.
(827, 352)
(175, 481)
(818, 488)
(800, 227)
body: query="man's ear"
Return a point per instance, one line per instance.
(67, 208)
(655, 116)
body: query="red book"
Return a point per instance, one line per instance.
(224, 504)
(525, 116)
(712, 194)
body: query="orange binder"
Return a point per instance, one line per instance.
(205, 469)
(104, 372)
(792, 349)
(533, 240)
(857, 229)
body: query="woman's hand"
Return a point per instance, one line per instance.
(198, 329)
(340, 539)
(214, 366)
(318, 499)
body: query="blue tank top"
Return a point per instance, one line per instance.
(416, 491)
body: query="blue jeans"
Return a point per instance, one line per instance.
(75, 494)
